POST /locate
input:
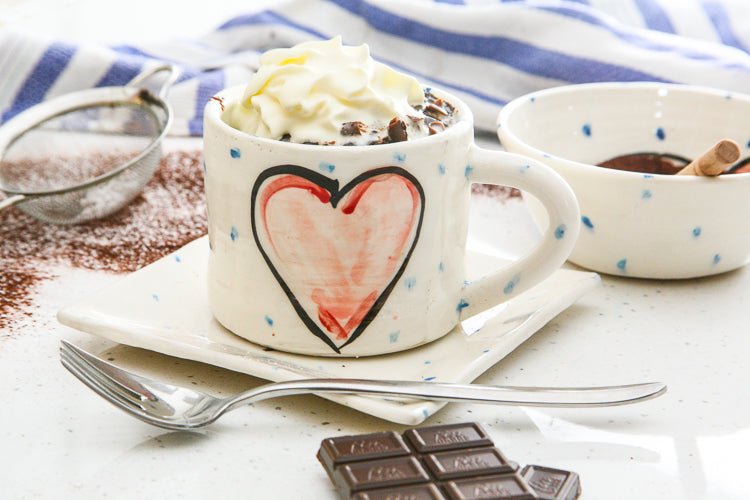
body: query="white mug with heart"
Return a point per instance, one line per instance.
(359, 250)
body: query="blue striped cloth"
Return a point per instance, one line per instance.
(488, 52)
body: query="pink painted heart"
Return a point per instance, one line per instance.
(337, 253)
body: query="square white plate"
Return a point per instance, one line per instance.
(164, 308)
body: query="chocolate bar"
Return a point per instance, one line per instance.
(441, 462)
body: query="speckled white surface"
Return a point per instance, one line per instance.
(61, 441)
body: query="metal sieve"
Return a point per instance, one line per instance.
(85, 155)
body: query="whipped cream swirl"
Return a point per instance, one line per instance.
(307, 93)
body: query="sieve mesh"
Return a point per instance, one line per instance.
(88, 159)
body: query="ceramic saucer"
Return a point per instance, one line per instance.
(163, 307)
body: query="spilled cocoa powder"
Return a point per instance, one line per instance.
(169, 213)
(494, 191)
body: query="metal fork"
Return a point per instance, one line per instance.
(179, 408)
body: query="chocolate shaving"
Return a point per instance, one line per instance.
(353, 128)
(436, 127)
(435, 112)
(397, 130)
(220, 101)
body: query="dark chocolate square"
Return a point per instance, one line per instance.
(371, 474)
(506, 486)
(418, 492)
(469, 462)
(552, 484)
(447, 437)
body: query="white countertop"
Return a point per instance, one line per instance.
(59, 440)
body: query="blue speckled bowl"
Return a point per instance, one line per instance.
(640, 225)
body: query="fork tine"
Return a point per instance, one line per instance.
(103, 379)
(124, 380)
(99, 375)
(101, 388)
(126, 405)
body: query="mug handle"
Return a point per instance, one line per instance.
(536, 178)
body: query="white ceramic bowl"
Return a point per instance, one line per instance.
(633, 224)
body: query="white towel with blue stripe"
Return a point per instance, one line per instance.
(487, 52)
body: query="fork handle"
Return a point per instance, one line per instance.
(569, 397)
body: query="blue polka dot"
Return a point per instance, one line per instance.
(155, 297)
(696, 231)
(441, 169)
(468, 170)
(441, 267)
(646, 194)
(524, 168)
(512, 284)
(235, 153)
(327, 167)
(410, 282)
(532, 99)
(660, 134)
(234, 233)
(399, 156)
(425, 413)
(269, 321)
(462, 304)
(586, 129)
(587, 222)
(717, 258)
(204, 167)
(393, 337)
(560, 231)
(430, 378)
(748, 143)
(177, 258)
(621, 264)
(427, 362)
(648, 176)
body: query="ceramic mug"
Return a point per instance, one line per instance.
(359, 250)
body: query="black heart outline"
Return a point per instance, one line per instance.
(332, 186)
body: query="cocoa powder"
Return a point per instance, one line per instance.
(169, 213)
(502, 193)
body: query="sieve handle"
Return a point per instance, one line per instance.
(11, 200)
(166, 84)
